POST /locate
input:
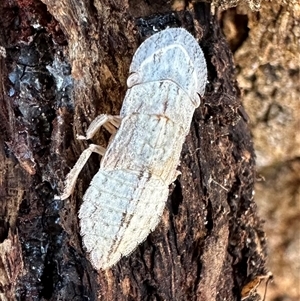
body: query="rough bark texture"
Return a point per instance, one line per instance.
(62, 64)
(266, 54)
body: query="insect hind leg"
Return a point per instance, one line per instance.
(110, 123)
(73, 174)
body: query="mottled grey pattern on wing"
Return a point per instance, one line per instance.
(127, 196)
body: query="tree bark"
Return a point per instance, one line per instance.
(62, 64)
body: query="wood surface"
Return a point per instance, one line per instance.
(64, 63)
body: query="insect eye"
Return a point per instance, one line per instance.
(132, 80)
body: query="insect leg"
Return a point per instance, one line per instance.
(73, 174)
(108, 121)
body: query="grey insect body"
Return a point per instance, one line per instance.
(127, 196)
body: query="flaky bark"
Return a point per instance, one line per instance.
(209, 244)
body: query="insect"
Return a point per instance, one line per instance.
(127, 196)
(250, 288)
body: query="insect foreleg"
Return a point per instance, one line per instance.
(73, 174)
(108, 121)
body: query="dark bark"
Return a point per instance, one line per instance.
(62, 74)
